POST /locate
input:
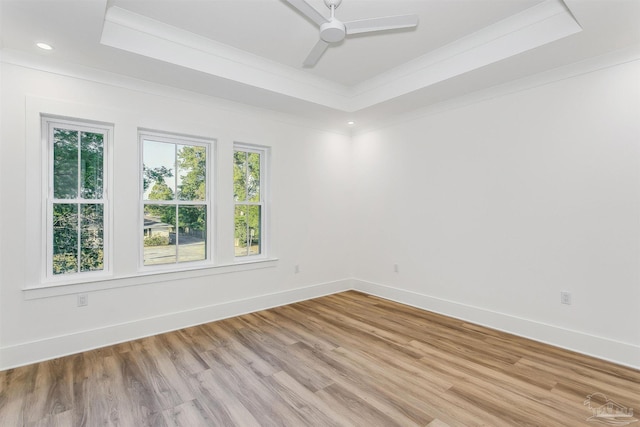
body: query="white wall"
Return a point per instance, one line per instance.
(490, 210)
(310, 171)
(1, 221)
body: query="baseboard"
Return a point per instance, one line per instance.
(595, 346)
(50, 348)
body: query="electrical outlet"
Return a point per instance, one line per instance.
(396, 269)
(83, 300)
(565, 297)
(296, 269)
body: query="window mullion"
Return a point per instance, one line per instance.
(79, 202)
(246, 176)
(247, 239)
(79, 234)
(177, 234)
(79, 161)
(246, 200)
(175, 201)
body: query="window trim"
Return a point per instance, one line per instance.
(48, 123)
(265, 159)
(177, 139)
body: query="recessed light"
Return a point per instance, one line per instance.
(351, 123)
(44, 46)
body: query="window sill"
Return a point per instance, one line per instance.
(98, 283)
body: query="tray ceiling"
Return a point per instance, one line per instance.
(251, 51)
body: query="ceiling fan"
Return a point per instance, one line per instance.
(332, 30)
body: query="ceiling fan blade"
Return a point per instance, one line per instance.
(308, 10)
(316, 53)
(381, 24)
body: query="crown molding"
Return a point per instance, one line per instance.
(534, 27)
(145, 36)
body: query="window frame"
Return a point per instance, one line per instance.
(177, 139)
(48, 124)
(265, 155)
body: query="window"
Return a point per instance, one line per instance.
(175, 199)
(249, 196)
(77, 202)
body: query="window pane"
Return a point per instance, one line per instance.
(158, 170)
(65, 164)
(240, 176)
(65, 238)
(192, 170)
(254, 229)
(92, 164)
(192, 233)
(247, 230)
(159, 234)
(92, 238)
(253, 177)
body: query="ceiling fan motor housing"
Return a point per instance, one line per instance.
(334, 3)
(333, 31)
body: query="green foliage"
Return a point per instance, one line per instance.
(247, 225)
(78, 228)
(240, 176)
(160, 191)
(193, 161)
(246, 188)
(192, 170)
(156, 175)
(65, 237)
(92, 162)
(67, 247)
(65, 263)
(65, 164)
(192, 217)
(157, 240)
(92, 259)
(92, 237)
(246, 176)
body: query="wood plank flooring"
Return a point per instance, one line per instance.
(342, 360)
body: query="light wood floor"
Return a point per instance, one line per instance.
(340, 360)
